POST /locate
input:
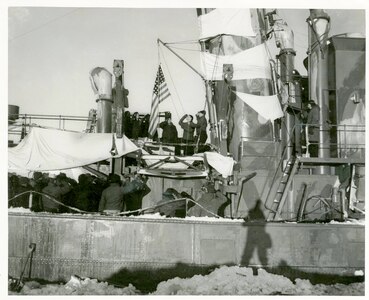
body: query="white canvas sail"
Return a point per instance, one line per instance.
(233, 21)
(248, 64)
(268, 107)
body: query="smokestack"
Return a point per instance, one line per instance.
(101, 82)
(319, 25)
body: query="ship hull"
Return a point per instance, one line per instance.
(107, 248)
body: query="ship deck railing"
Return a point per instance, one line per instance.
(167, 160)
(337, 143)
(24, 121)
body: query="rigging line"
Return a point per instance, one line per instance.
(318, 41)
(184, 42)
(216, 62)
(43, 25)
(268, 51)
(217, 56)
(158, 52)
(174, 86)
(185, 49)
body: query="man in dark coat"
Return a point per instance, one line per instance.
(56, 188)
(136, 126)
(201, 134)
(188, 131)
(111, 201)
(38, 182)
(170, 133)
(313, 121)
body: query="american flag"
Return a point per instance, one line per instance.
(160, 93)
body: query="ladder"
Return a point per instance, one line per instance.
(91, 123)
(283, 187)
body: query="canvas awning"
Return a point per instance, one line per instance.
(268, 107)
(49, 149)
(233, 21)
(250, 63)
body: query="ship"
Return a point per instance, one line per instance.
(286, 209)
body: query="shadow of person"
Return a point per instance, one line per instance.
(257, 238)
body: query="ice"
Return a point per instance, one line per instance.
(224, 280)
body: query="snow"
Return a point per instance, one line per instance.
(241, 281)
(350, 221)
(76, 286)
(206, 219)
(359, 273)
(159, 216)
(19, 210)
(222, 281)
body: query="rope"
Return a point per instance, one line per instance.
(42, 25)
(168, 202)
(51, 198)
(185, 49)
(122, 213)
(183, 42)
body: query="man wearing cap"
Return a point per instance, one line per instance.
(56, 188)
(188, 130)
(201, 134)
(111, 201)
(170, 133)
(313, 121)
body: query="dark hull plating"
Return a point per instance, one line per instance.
(107, 248)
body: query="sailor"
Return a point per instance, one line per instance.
(313, 121)
(56, 188)
(134, 190)
(201, 134)
(22, 187)
(188, 131)
(170, 133)
(38, 182)
(136, 126)
(83, 193)
(111, 201)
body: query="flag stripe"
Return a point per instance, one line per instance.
(160, 93)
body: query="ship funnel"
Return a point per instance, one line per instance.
(101, 82)
(319, 26)
(319, 21)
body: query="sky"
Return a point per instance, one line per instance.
(51, 51)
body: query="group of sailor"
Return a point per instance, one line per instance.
(62, 194)
(136, 126)
(194, 134)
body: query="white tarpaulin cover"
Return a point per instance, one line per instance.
(223, 164)
(268, 107)
(233, 21)
(50, 149)
(251, 63)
